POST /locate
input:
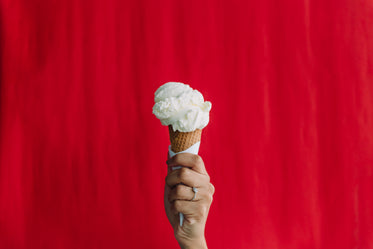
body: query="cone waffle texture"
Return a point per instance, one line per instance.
(181, 141)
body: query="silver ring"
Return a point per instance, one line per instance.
(195, 191)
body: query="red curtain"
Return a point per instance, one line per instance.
(289, 146)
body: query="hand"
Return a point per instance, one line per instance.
(178, 197)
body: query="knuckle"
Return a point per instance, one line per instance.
(178, 190)
(212, 188)
(183, 173)
(202, 210)
(197, 160)
(177, 205)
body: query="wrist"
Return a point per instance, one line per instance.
(198, 244)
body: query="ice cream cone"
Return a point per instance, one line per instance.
(181, 141)
(181, 107)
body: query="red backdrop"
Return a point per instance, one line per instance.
(289, 146)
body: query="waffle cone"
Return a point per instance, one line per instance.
(181, 141)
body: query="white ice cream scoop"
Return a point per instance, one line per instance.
(177, 104)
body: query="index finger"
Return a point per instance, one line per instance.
(189, 160)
